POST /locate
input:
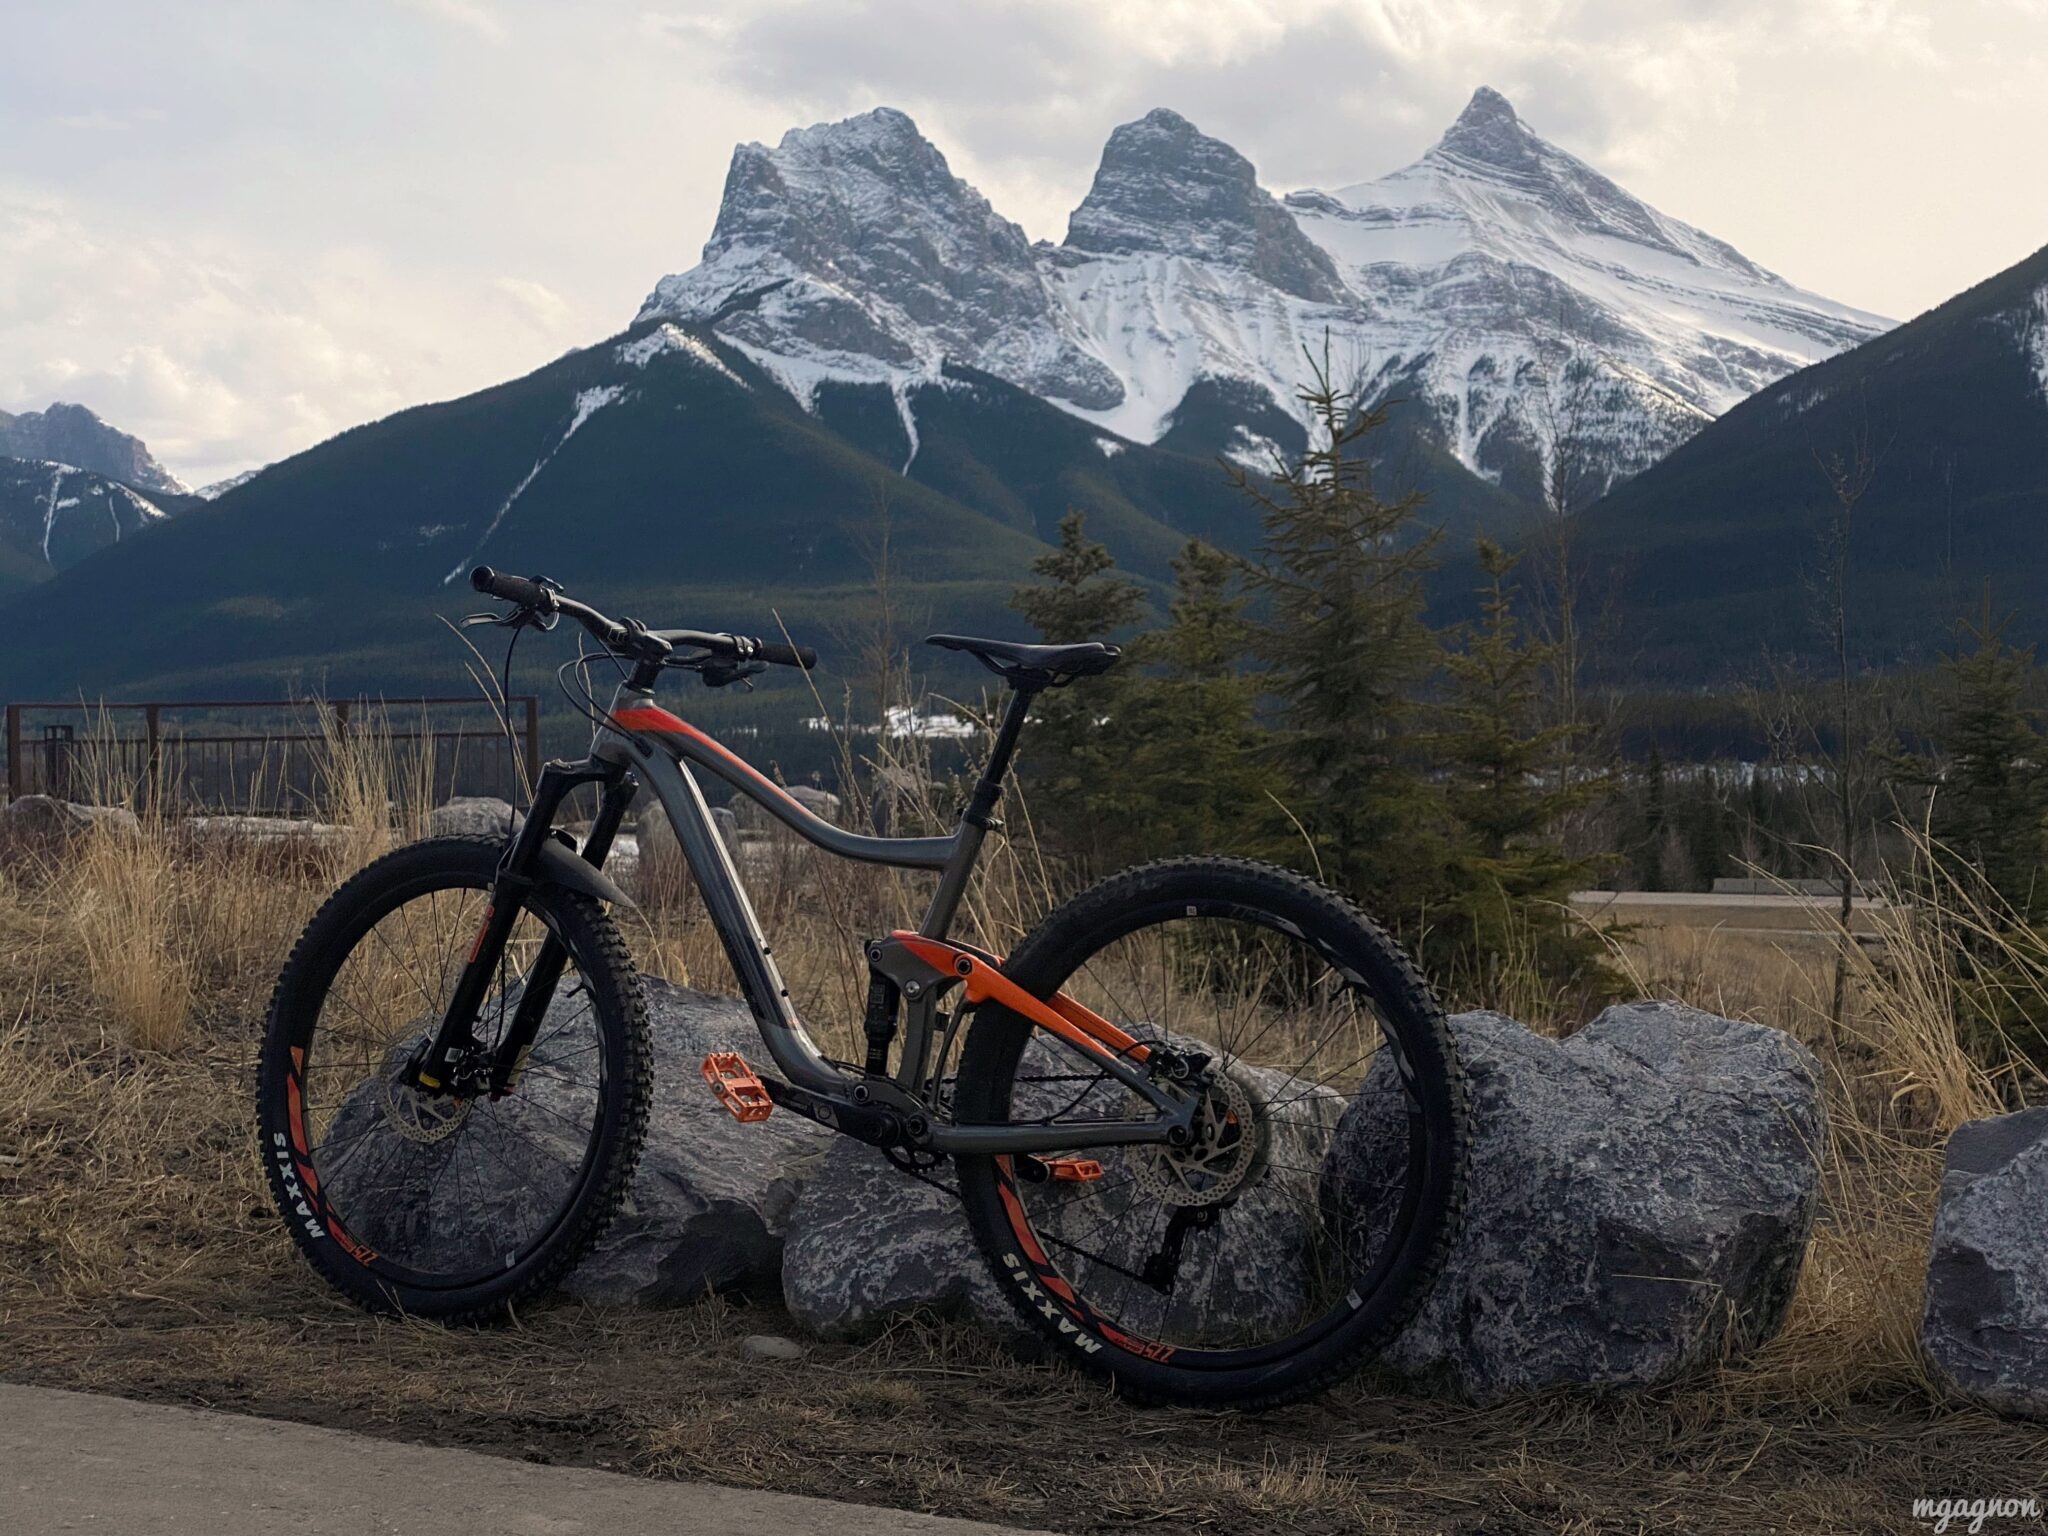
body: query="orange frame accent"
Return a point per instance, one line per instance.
(651, 717)
(1076, 1025)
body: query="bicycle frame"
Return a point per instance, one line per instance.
(640, 743)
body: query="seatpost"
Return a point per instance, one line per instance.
(979, 819)
(981, 808)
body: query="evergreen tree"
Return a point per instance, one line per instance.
(1347, 653)
(1195, 777)
(1512, 880)
(1989, 820)
(1991, 801)
(1073, 753)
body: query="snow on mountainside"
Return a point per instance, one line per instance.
(72, 434)
(219, 488)
(851, 251)
(1514, 285)
(1519, 296)
(54, 515)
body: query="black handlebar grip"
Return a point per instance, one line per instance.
(512, 589)
(788, 655)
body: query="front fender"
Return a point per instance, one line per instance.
(559, 865)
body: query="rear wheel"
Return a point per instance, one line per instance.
(452, 1204)
(1235, 1269)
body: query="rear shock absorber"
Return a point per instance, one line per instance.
(880, 1023)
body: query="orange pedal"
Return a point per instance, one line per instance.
(738, 1089)
(1073, 1170)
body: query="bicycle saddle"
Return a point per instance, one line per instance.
(1033, 666)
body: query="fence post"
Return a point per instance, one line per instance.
(532, 739)
(16, 775)
(152, 723)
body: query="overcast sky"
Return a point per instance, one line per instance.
(239, 226)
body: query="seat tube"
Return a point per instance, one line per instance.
(977, 821)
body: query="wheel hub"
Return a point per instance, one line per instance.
(417, 1114)
(1226, 1151)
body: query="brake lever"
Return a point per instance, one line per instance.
(518, 618)
(721, 674)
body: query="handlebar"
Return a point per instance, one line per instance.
(522, 590)
(631, 638)
(787, 655)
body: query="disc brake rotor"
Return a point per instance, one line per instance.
(1228, 1151)
(421, 1117)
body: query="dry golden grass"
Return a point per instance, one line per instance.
(139, 1254)
(140, 959)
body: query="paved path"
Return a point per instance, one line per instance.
(71, 1462)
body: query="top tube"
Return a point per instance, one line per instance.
(650, 725)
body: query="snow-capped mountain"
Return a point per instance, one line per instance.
(74, 435)
(1520, 297)
(1528, 298)
(54, 515)
(214, 490)
(850, 251)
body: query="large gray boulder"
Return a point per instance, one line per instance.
(45, 822)
(868, 1242)
(1639, 1201)
(709, 1207)
(706, 1210)
(1985, 1330)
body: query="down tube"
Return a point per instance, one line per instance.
(738, 929)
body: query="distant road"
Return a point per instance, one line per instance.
(1776, 914)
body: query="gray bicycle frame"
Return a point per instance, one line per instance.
(661, 757)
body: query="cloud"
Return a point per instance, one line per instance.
(1317, 92)
(474, 15)
(105, 120)
(238, 229)
(222, 355)
(535, 302)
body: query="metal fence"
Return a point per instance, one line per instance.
(265, 756)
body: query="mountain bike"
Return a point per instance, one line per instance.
(1139, 1104)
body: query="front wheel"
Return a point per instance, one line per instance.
(1261, 1261)
(459, 1203)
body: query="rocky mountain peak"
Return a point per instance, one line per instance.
(1164, 187)
(828, 190)
(1490, 147)
(850, 253)
(853, 245)
(1488, 131)
(74, 435)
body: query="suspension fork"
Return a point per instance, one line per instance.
(546, 971)
(515, 878)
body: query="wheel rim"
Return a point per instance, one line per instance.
(1228, 1253)
(442, 1192)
